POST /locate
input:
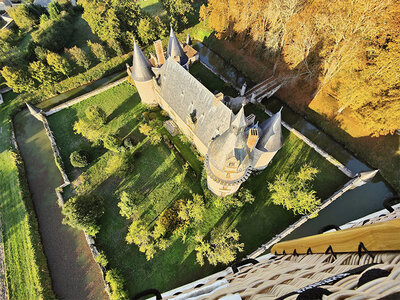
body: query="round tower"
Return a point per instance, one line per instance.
(228, 161)
(142, 75)
(175, 50)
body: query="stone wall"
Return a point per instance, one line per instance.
(351, 184)
(84, 97)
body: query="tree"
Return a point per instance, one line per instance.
(55, 34)
(58, 63)
(127, 206)
(79, 56)
(23, 16)
(83, 212)
(16, 79)
(221, 248)
(192, 209)
(78, 159)
(54, 9)
(139, 235)
(294, 192)
(203, 13)
(98, 51)
(147, 30)
(96, 115)
(42, 73)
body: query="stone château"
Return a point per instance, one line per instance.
(233, 145)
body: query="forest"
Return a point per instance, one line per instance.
(346, 49)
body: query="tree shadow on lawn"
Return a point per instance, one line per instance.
(127, 105)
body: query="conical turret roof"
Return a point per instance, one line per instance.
(33, 109)
(141, 70)
(271, 139)
(175, 49)
(239, 121)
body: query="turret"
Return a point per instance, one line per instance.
(228, 163)
(175, 50)
(142, 75)
(36, 112)
(269, 142)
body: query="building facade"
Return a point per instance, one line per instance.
(233, 145)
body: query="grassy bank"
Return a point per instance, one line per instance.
(26, 265)
(154, 175)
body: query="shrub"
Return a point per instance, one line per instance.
(127, 207)
(128, 143)
(96, 115)
(112, 142)
(101, 259)
(78, 159)
(117, 285)
(83, 212)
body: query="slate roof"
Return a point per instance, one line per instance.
(271, 139)
(141, 68)
(174, 48)
(187, 96)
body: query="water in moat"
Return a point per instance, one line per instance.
(79, 91)
(74, 273)
(220, 66)
(353, 204)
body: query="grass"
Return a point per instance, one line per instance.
(26, 266)
(153, 7)
(154, 175)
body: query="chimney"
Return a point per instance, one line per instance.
(217, 98)
(252, 138)
(159, 52)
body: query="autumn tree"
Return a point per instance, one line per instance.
(294, 192)
(221, 248)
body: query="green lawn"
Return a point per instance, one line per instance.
(26, 265)
(153, 7)
(154, 172)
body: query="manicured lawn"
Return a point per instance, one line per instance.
(152, 7)
(26, 265)
(154, 175)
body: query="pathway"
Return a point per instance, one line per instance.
(74, 273)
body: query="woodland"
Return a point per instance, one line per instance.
(347, 49)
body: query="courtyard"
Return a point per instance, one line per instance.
(154, 174)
